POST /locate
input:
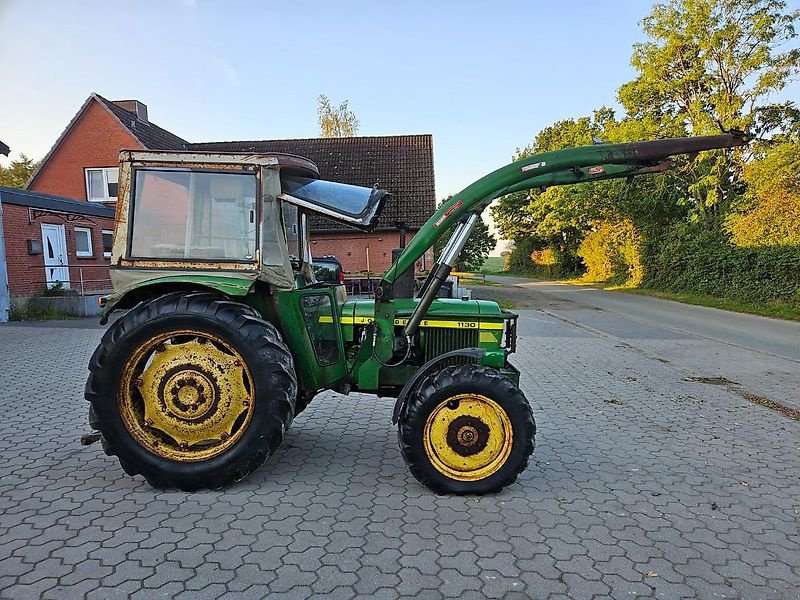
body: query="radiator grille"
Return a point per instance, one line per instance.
(439, 341)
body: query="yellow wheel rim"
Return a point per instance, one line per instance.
(468, 437)
(186, 395)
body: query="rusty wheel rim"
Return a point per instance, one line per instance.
(186, 395)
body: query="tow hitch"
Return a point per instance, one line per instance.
(90, 438)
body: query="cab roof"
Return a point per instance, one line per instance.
(297, 164)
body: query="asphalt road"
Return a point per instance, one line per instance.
(757, 355)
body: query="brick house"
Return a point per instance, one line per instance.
(83, 165)
(84, 161)
(51, 239)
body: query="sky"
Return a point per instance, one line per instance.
(482, 77)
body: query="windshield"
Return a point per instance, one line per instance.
(352, 204)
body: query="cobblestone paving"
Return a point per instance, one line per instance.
(642, 485)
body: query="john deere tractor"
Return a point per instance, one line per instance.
(228, 336)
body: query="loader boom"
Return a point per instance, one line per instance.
(563, 167)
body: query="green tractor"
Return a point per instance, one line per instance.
(228, 336)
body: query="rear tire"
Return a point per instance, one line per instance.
(191, 391)
(466, 430)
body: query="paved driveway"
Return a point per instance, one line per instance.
(643, 484)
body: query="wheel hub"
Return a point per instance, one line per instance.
(190, 397)
(467, 435)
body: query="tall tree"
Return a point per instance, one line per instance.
(17, 173)
(557, 212)
(709, 65)
(335, 121)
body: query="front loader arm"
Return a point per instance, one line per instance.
(585, 175)
(561, 167)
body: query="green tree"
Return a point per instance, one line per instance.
(770, 215)
(17, 173)
(556, 219)
(335, 121)
(477, 248)
(709, 65)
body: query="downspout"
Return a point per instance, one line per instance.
(5, 300)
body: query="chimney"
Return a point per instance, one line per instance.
(134, 106)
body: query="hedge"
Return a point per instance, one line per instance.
(687, 259)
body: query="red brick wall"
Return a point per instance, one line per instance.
(26, 275)
(356, 243)
(94, 141)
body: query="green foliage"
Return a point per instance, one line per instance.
(56, 289)
(33, 313)
(722, 223)
(335, 121)
(769, 215)
(519, 259)
(612, 253)
(17, 173)
(476, 250)
(690, 259)
(711, 64)
(539, 257)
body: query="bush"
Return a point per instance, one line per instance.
(773, 221)
(688, 259)
(533, 256)
(612, 253)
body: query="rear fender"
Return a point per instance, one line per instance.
(152, 288)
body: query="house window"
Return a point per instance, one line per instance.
(108, 239)
(83, 241)
(101, 184)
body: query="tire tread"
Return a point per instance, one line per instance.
(274, 364)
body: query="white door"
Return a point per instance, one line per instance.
(55, 255)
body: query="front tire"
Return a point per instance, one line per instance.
(191, 391)
(467, 430)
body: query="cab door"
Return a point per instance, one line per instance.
(311, 321)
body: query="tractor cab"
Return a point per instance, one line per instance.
(224, 219)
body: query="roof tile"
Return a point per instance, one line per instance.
(399, 164)
(149, 134)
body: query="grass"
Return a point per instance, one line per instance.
(506, 303)
(493, 265)
(34, 314)
(481, 282)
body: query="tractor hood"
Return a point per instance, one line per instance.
(362, 312)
